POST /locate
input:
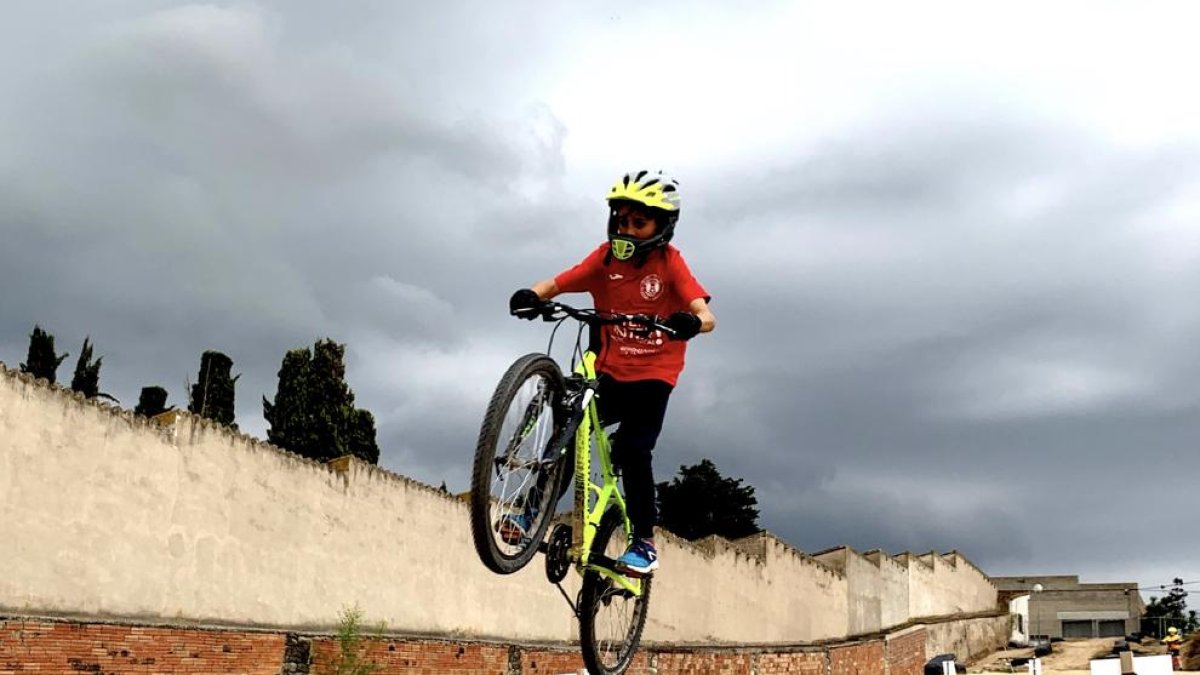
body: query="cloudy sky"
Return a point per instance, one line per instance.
(954, 249)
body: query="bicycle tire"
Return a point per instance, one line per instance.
(484, 522)
(598, 590)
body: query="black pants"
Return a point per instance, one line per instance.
(640, 406)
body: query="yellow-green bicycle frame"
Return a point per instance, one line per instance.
(585, 489)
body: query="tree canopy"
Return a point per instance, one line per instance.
(313, 413)
(213, 394)
(86, 379)
(41, 361)
(700, 502)
(1169, 610)
(153, 401)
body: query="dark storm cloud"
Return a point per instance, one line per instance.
(184, 180)
(902, 327)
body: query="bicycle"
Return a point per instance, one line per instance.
(534, 416)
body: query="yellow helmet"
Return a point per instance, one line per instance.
(656, 192)
(1172, 630)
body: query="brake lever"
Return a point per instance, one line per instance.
(653, 322)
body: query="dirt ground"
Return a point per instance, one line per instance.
(1070, 657)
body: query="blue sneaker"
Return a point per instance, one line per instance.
(514, 528)
(640, 557)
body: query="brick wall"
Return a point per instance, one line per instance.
(906, 653)
(796, 663)
(421, 657)
(860, 659)
(554, 662)
(703, 663)
(53, 647)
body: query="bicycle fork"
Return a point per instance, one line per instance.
(574, 408)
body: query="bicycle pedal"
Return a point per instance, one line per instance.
(629, 573)
(633, 574)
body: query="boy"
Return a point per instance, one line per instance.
(636, 271)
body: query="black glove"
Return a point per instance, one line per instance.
(525, 304)
(685, 324)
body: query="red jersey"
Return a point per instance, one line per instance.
(662, 286)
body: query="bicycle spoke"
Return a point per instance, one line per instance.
(528, 424)
(512, 463)
(612, 622)
(613, 610)
(533, 412)
(614, 628)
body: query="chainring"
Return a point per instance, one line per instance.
(558, 553)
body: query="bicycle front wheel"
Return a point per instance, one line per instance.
(611, 618)
(514, 484)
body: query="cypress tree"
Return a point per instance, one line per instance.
(362, 436)
(289, 416)
(87, 374)
(41, 361)
(313, 413)
(332, 400)
(213, 394)
(153, 401)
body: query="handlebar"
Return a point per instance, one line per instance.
(557, 311)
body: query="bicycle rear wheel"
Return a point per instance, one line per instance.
(514, 484)
(611, 618)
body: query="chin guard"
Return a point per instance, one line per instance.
(622, 248)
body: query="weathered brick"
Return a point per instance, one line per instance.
(78, 647)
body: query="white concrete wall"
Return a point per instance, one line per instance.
(893, 589)
(967, 638)
(111, 517)
(107, 515)
(808, 585)
(1018, 608)
(776, 592)
(963, 587)
(863, 588)
(922, 592)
